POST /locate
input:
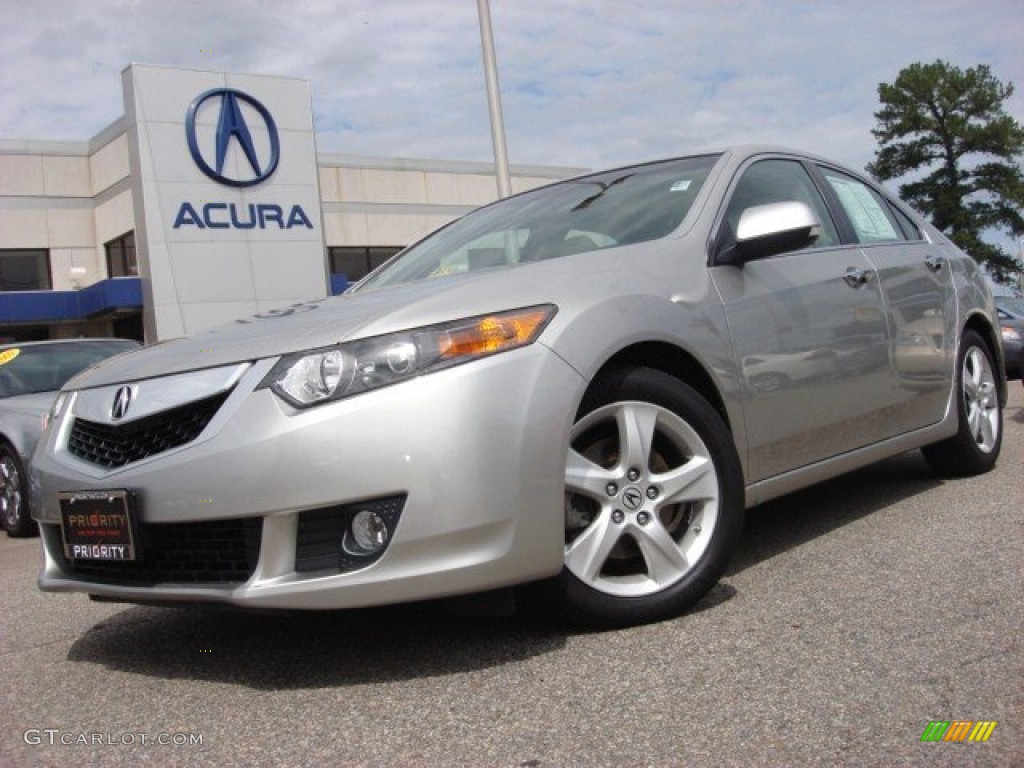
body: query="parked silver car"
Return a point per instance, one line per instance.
(556, 387)
(31, 374)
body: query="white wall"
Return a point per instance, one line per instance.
(195, 277)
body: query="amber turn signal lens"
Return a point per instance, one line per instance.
(494, 333)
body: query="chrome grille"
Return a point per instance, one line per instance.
(114, 445)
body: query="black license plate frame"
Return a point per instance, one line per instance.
(99, 525)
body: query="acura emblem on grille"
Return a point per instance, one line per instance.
(122, 401)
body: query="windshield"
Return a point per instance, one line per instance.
(621, 207)
(46, 367)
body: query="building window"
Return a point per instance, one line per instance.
(355, 262)
(121, 260)
(25, 270)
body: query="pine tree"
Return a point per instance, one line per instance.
(947, 129)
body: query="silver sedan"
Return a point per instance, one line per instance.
(31, 374)
(584, 386)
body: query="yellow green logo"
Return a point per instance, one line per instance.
(958, 730)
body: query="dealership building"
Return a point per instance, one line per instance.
(206, 202)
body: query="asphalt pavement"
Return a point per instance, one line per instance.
(855, 614)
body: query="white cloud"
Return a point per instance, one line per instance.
(583, 83)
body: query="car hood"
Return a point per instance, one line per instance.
(314, 324)
(35, 404)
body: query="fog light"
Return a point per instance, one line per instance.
(369, 531)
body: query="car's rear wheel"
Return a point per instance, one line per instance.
(974, 449)
(653, 500)
(14, 512)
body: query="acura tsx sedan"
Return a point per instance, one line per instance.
(582, 387)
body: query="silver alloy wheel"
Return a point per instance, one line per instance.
(980, 399)
(10, 492)
(642, 499)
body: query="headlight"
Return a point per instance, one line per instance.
(55, 410)
(1010, 334)
(321, 375)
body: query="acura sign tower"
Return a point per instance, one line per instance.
(226, 197)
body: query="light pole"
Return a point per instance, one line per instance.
(494, 100)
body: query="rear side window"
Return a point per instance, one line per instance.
(910, 230)
(872, 219)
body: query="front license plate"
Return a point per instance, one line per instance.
(97, 525)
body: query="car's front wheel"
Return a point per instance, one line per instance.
(653, 500)
(974, 449)
(14, 513)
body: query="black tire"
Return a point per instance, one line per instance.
(620, 568)
(14, 509)
(974, 449)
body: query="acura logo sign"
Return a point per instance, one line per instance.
(232, 127)
(122, 402)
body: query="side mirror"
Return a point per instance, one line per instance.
(767, 230)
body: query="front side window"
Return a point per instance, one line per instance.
(776, 181)
(868, 212)
(614, 208)
(25, 270)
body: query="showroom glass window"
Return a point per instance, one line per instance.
(25, 270)
(121, 257)
(355, 262)
(777, 181)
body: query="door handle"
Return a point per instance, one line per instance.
(934, 263)
(856, 277)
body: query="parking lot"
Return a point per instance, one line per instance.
(854, 614)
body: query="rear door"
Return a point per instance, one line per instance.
(919, 302)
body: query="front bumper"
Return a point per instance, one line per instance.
(474, 455)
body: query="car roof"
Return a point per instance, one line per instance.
(734, 155)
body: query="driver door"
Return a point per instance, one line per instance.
(808, 329)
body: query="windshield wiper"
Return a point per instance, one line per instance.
(604, 188)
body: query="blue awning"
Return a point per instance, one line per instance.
(339, 283)
(115, 294)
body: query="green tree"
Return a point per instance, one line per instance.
(946, 127)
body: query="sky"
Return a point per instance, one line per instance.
(584, 83)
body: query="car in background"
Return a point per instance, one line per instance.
(31, 374)
(1013, 304)
(1011, 328)
(564, 388)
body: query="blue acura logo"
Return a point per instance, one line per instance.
(231, 126)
